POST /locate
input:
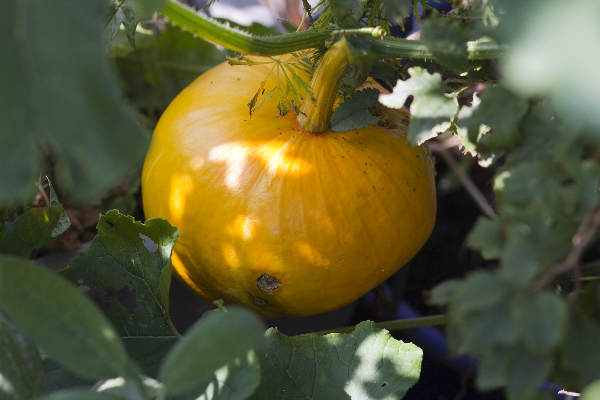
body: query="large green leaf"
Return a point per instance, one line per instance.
(59, 95)
(364, 364)
(235, 381)
(149, 352)
(60, 378)
(60, 320)
(21, 371)
(128, 270)
(35, 228)
(431, 111)
(218, 338)
(79, 394)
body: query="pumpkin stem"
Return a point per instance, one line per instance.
(315, 112)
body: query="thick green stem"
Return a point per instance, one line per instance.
(233, 39)
(324, 86)
(389, 47)
(397, 325)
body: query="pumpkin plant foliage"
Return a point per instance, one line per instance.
(84, 82)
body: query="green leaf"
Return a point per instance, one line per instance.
(479, 291)
(487, 237)
(542, 320)
(149, 352)
(21, 371)
(128, 270)
(478, 332)
(79, 394)
(541, 135)
(35, 228)
(501, 111)
(235, 381)
(354, 112)
(131, 389)
(493, 368)
(365, 364)
(525, 373)
(576, 354)
(531, 67)
(520, 262)
(218, 338)
(442, 293)
(461, 122)
(60, 320)
(447, 42)
(163, 65)
(60, 378)
(591, 392)
(432, 109)
(60, 96)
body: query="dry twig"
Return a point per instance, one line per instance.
(484, 205)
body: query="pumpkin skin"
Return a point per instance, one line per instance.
(276, 218)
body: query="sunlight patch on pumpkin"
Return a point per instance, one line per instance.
(243, 227)
(181, 187)
(196, 163)
(278, 162)
(235, 156)
(265, 260)
(323, 221)
(312, 255)
(230, 255)
(271, 154)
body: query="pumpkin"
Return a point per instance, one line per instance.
(271, 216)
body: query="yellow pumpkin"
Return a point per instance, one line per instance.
(277, 218)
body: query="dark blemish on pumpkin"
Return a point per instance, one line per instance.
(364, 172)
(414, 189)
(259, 302)
(384, 384)
(267, 283)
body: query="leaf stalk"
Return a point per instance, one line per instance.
(325, 82)
(396, 325)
